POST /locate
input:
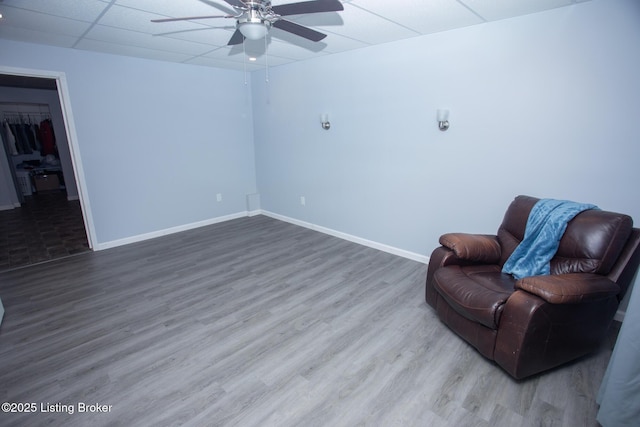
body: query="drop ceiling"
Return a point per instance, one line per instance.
(123, 27)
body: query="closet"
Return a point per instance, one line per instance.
(29, 139)
(24, 104)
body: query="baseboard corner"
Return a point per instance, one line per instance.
(355, 239)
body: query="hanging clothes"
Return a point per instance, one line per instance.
(47, 138)
(11, 139)
(22, 142)
(36, 133)
(31, 139)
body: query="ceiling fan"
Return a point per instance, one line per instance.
(254, 18)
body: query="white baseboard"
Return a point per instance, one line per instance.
(355, 239)
(167, 231)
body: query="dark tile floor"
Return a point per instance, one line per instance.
(45, 227)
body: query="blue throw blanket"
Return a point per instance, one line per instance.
(546, 224)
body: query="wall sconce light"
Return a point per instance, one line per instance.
(324, 120)
(443, 119)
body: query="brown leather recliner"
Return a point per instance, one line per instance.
(536, 323)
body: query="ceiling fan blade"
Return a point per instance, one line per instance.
(236, 38)
(236, 3)
(299, 30)
(190, 18)
(313, 6)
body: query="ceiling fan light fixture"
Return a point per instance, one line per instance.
(254, 30)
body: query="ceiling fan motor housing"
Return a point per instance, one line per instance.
(256, 20)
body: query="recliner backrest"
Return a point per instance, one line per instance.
(591, 243)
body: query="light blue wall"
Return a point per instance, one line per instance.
(157, 140)
(546, 104)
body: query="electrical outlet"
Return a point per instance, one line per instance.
(303, 200)
(219, 197)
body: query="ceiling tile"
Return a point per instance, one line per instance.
(230, 54)
(222, 63)
(364, 26)
(337, 43)
(189, 31)
(118, 49)
(139, 20)
(141, 40)
(39, 37)
(43, 23)
(180, 8)
(501, 9)
(83, 10)
(206, 35)
(425, 17)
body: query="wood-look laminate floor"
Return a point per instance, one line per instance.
(256, 322)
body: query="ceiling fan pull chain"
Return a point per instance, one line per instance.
(244, 62)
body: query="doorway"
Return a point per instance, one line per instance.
(50, 218)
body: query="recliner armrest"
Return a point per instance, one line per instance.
(571, 288)
(473, 247)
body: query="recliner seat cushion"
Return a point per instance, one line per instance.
(476, 292)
